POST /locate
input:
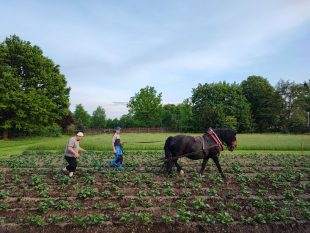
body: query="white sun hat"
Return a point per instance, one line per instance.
(80, 134)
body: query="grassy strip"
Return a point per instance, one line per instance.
(246, 142)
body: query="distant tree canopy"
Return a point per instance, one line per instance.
(178, 117)
(146, 107)
(98, 119)
(266, 103)
(296, 104)
(33, 93)
(252, 106)
(221, 105)
(82, 118)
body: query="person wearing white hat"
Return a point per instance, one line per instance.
(72, 153)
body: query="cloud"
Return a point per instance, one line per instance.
(109, 50)
(91, 97)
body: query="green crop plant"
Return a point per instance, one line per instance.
(199, 203)
(112, 206)
(167, 219)
(144, 217)
(94, 219)
(62, 205)
(127, 217)
(3, 206)
(105, 193)
(184, 216)
(206, 218)
(86, 192)
(54, 219)
(3, 194)
(36, 220)
(224, 217)
(45, 205)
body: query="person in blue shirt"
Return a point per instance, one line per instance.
(117, 162)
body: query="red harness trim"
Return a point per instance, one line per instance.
(215, 138)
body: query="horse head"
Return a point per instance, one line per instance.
(228, 137)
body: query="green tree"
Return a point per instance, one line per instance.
(127, 121)
(296, 104)
(113, 123)
(98, 120)
(82, 118)
(33, 92)
(67, 121)
(186, 123)
(266, 103)
(220, 105)
(146, 107)
(170, 117)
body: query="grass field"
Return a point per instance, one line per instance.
(267, 143)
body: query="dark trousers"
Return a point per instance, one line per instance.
(119, 160)
(72, 163)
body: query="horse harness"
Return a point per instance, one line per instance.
(211, 139)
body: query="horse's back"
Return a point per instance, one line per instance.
(185, 144)
(180, 144)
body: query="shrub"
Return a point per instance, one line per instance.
(53, 130)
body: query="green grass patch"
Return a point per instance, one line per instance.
(155, 141)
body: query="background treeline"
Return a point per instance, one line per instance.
(252, 106)
(34, 100)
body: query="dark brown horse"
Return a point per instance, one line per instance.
(207, 146)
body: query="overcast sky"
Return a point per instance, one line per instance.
(108, 50)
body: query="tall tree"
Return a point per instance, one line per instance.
(33, 92)
(146, 107)
(266, 103)
(220, 105)
(186, 116)
(82, 118)
(98, 120)
(296, 104)
(170, 117)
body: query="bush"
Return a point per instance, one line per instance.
(49, 131)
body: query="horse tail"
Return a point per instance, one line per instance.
(168, 155)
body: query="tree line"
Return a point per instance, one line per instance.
(254, 105)
(34, 100)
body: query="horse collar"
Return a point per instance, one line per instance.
(215, 138)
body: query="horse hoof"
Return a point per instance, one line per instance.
(182, 173)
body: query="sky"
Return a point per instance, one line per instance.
(109, 50)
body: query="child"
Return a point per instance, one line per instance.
(117, 162)
(72, 153)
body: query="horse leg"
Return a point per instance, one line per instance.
(168, 166)
(217, 163)
(179, 168)
(168, 155)
(203, 165)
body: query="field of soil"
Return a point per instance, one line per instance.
(263, 193)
